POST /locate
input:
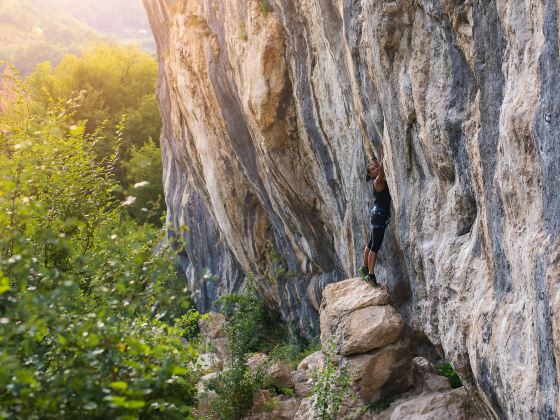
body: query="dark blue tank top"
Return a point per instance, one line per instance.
(381, 210)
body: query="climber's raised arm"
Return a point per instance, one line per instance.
(371, 152)
(379, 183)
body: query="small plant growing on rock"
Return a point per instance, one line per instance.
(242, 31)
(331, 387)
(379, 405)
(447, 370)
(264, 7)
(271, 405)
(195, 20)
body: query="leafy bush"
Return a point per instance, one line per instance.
(293, 348)
(447, 370)
(379, 405)
(264, 7)
(235, 387)
(144, 175)
(104, 83)
(99, 87)
(330, 388)
(93, 322)
(242, 31)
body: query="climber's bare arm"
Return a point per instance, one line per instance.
(371, 152)
(379, 183)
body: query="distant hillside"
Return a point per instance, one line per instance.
(125, 20)
(33, 31)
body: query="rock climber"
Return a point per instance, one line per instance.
(380, 214)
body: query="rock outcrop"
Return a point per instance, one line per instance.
(267, 105)
(383, 370)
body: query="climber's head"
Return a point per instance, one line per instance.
(373, 169)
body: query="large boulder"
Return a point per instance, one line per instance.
(213, 331)
(279, 374)
(357, 318)
(360, 329)
(382, 372)
(257, 361)
(303, 376)
(273, 407)
(454, 404)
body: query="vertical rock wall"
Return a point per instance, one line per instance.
(267, 105)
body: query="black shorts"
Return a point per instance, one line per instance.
(376, 238)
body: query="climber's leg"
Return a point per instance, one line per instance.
(363, 271)
(377, 235)
(372, 259)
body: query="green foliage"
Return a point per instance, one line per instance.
(252, 328)
(105, 83)
(330, 389)
(246, 316)
(271, 404)
(293, 348)
(144, 176)
(264, 7)
(235, 387)
(242, 31)
(112, 80)
(447, 370)
(93, 322)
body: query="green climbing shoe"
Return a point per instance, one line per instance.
(363, 271)
(371, 280)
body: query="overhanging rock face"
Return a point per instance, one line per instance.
(266, 107)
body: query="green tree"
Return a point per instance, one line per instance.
(107, 81)
(93, 322)
(99, 87)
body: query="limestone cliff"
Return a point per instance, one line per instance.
(267, 105)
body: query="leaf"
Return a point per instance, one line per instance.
(119, 386)
(4, 284)
(62, 340)
(135, 404)
(177, 370)
(116, 401)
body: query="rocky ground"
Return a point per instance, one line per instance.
(361, 331)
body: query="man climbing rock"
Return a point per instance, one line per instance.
(380, 214)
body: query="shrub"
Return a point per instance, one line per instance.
(379, 405)
(87, 308)
(242, 31)
(330, 389)
(293, 347)
(235, 387)
(143, 172)
(264, 7)
(446, 370)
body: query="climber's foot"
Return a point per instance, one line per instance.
(363, 271)
(371, 280)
